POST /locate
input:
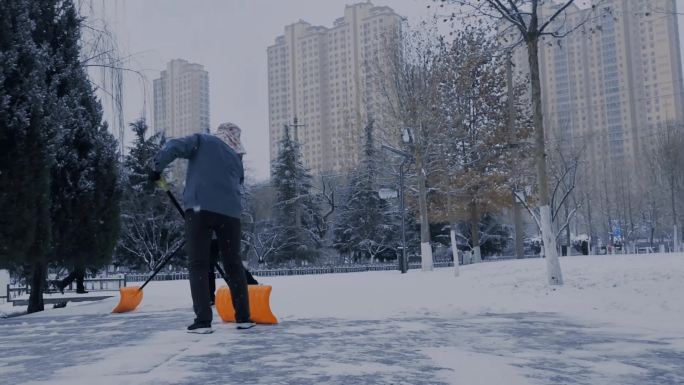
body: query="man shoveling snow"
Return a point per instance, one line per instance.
(212, 194)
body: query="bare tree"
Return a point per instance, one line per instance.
(531, 26)
(652, 194)
(409, 81)
(265, 242)
(564, 203)
(149, 235)
(107, 65)
(668, 159)
(479, 151)
(327, 189)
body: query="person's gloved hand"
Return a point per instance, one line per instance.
(154, 176)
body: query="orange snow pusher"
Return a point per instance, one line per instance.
(259, 309)
(259, 298)
(131, 296)
(259, 295)
(130, 299)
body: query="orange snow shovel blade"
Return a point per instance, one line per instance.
(131, 297)
(259, 307)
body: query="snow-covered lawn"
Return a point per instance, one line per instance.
(617, 320)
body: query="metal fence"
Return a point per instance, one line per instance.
(306, 270)
(115, 283)
(170, 276)
(102, 284)
(5, 298)
(14, 292)
(91, 284)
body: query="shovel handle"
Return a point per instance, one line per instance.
(248, 275)
(163, 185)
(162, 264)
(175, 203)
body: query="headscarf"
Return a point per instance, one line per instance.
(229, 133)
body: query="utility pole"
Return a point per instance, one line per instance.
(298, 209)
(296, 125)
(403, 261)
(517, 210)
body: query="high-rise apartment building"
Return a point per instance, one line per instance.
(181, 99)
(610, 85)
(322, 76)
(613, 88)
(181, 104)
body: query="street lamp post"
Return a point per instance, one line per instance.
(403, 261)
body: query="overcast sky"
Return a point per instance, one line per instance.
(228, 37)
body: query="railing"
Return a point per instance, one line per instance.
(309, 270)
(14, 292)
(101, 284)
(5, 298)
(90, 284)
(171, 276)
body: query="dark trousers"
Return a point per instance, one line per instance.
(199, 227)
(78, 275)
(213, 258)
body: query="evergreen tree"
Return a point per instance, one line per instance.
(151, 227)
(296, 209)
(58, 163)
(365, 227)
(85, 194)
(25, 129)
(106, 202)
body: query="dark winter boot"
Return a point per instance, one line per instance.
(200, 327)
(245, 325)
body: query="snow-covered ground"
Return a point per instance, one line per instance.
(617, 320)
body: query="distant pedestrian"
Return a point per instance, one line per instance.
(78, 275)
(585, 247)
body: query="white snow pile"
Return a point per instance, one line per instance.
(617, 320)
(631, 290)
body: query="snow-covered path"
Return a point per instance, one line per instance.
(529, 348)
(608, 325)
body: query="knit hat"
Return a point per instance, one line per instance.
(230, 134)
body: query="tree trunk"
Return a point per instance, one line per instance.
(517, 209)
(475, 231)
(37, 281)
(652, 235)
(568, 238)
(675, 239)
(590, 227)
(674, 212)
(606, 201)
(454, 249)
(553, 268)
(632, 226)
(425, 248)
(518, 226)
